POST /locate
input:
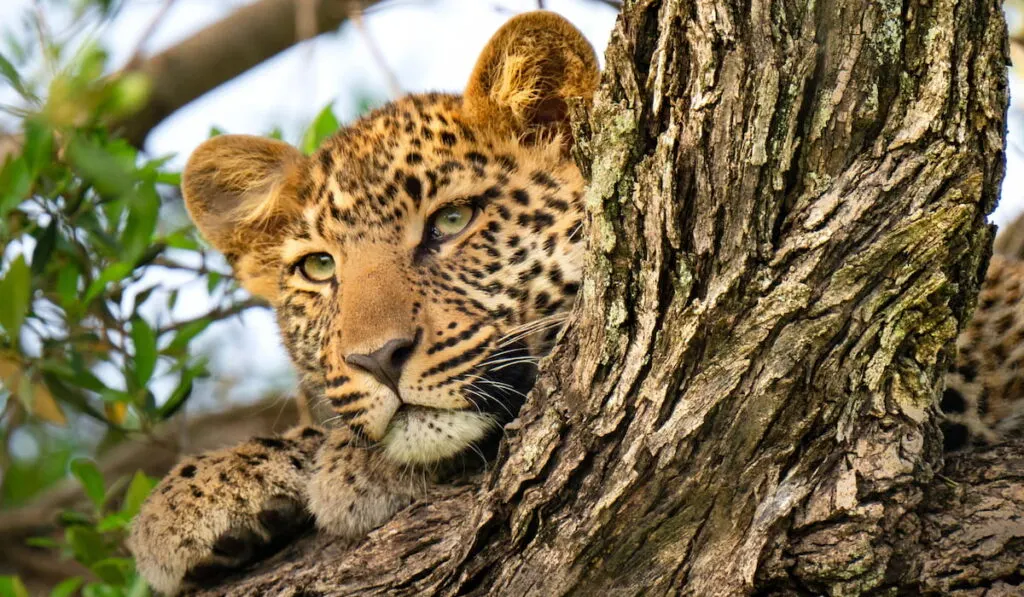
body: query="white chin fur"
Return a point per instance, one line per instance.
(422, 436)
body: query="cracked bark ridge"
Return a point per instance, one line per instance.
(787, 204)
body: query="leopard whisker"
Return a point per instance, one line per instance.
(534, 327)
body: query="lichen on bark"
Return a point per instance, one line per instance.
(787, 207)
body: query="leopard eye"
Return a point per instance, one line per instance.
(450, 221)
(317, 267)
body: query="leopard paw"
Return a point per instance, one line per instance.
(354, 489)
(223, 510)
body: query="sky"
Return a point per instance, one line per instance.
(429, 45)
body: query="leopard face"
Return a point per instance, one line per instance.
(421, 260)
(426, 247)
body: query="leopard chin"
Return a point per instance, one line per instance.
(419, 435)
(423, 435)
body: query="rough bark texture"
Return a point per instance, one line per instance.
(787, 205)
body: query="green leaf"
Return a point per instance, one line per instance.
(86, 544)
(138, 588)
(113, 570)
(101, 590)
(70, 518)
(67, 587)
(15, 183)
(38, 147)
(212, 279)
(137, 492)
(142, 217)
(115, 271)
(102, 166)
(15, 297)
(67, 285)
(91, 479)
(186, 333)
(112, 396)
(182, 239)
(114, 522)
(169, 178)
(42, 542)
(325, 124)
(177, 398)
(11, 586)
(128, 94)
(44, 248)
(144, 340)
(10, 72)
(172, 299)
(85, 378)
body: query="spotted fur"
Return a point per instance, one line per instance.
(984, 397)
(463, 318)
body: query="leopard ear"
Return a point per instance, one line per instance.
(241, 192)
(526, 74)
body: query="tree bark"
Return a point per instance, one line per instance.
(787, 230)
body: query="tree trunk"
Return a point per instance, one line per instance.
(788, 227)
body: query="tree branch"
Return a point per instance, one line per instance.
(983, 489)
(221, 52)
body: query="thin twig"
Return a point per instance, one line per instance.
(356, 16)
(202, 270)
(136, 55)
(217, 314)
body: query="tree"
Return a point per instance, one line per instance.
(788, 205)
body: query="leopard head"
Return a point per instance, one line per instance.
(420, 261)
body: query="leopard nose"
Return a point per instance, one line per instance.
(385, 364)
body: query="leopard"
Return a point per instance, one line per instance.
(983, 400)
(420, 264)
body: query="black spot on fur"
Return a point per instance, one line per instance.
(414, 188)
(952, 401)
(954, 437)
(270, 442)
